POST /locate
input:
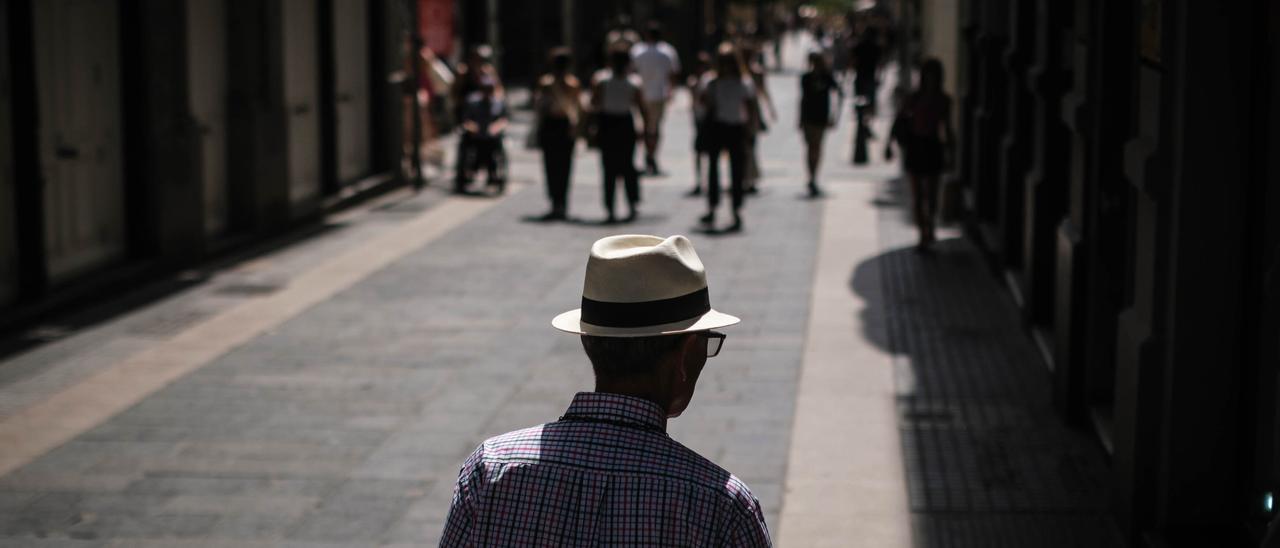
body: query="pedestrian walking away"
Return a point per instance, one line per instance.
(730, 100)
(922, 129)
(761, 105)
(867, 55)
(607, 473)
(616, 97)
(816, 87)
(559, 108)
(658, 65)
(701, 136)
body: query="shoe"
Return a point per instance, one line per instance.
(814, 191)
(611, 220)
(552, 216)
(736, 226)
(697, 191)
(753, 190)
(631, 216)
(708, 219)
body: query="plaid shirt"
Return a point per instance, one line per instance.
(605, 474)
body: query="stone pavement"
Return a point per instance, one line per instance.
(325, 392)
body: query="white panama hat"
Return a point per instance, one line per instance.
(641, 286)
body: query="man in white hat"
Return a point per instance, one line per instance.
(607, 473)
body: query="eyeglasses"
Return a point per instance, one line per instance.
(714, 342)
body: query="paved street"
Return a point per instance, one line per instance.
(324, 391)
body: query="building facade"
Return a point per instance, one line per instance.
(1119, 159)
(141, 135)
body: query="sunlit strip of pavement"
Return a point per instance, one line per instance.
(35, 430)
(845, 483)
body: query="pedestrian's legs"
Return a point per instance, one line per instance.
(701, 135)
(929, 186)
(652, 128)
(737, 172)
(463, 175)
(610, 179)
(556, 158)
(609, 159)
(713, 171)
(813, 137)
(697, 173)
(630, 178)
(566, 169)
(918, 211)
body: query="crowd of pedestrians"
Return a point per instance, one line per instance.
(646, 323)
(624, 104)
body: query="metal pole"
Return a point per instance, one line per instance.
(415, 39)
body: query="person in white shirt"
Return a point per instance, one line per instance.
(615, 97)
(729, 100)
(658, 65)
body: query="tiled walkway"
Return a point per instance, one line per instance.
(988, 462)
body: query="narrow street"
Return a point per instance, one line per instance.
(325, 390)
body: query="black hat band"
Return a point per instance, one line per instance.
(646, 313)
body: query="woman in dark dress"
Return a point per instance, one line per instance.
(922, 129)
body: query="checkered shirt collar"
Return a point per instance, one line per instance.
(617, 408)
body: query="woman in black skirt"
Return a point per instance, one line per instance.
(922, 129)
(615, 98)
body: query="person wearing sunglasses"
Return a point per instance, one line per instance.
(606, 473)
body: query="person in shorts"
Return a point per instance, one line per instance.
(658, 65)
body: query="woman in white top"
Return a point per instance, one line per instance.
(615, 98)
(729, 100)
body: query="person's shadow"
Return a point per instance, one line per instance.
(979, 434)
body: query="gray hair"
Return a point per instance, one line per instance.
(624, 357)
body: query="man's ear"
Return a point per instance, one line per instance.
(688, 345)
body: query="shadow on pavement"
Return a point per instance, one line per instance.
(987, 461)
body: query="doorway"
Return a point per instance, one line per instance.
(301, 97)
(80, 160)
(351, 88)
(207, 77)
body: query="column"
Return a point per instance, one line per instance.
(165, 211)
(988, 119)
(1015, 150)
